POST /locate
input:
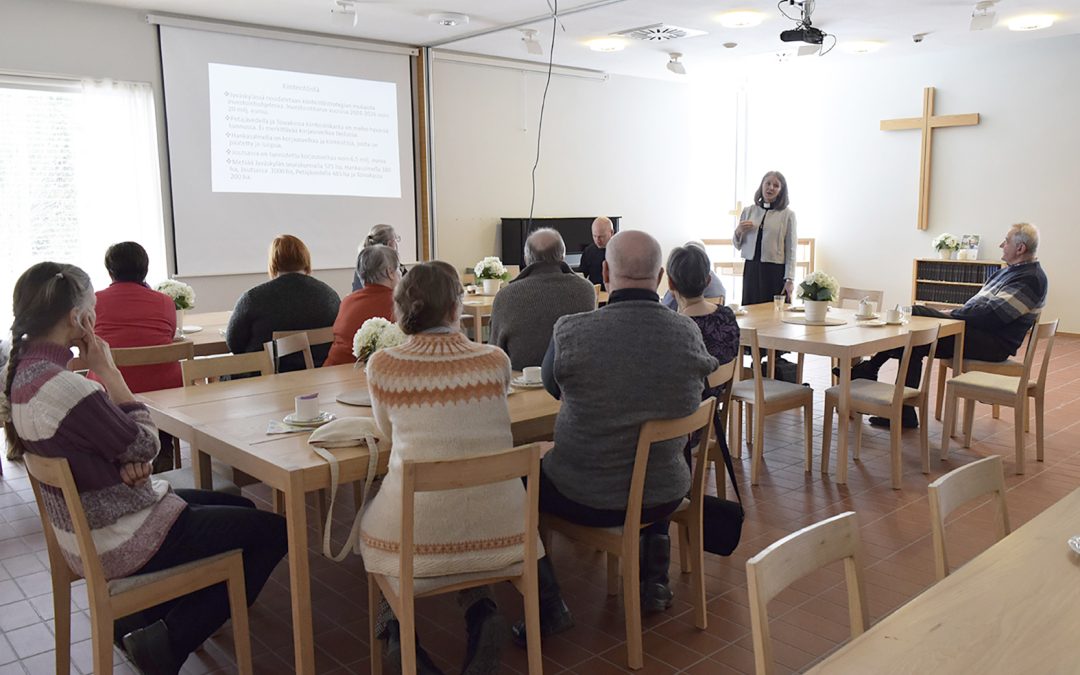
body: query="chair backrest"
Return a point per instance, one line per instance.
(751, 340)
(793, 557)
(149, 356)
(297, 343)
(202, 370)
(315, 336)
(718, 300)
(655, 431)
(916, 338)
(454, 474)
(959, 486)
(1042, 331)
(857, 294)
(596, 291)
(724, 374)
(56, 474)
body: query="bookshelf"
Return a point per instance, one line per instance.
(948, 283)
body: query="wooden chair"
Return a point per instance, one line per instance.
(718, 300)
(111, 600)
(297, 343)
(856, 295)
(870, 397)
(792, 558)
(1010, 367)
(623, 542)
(402, 591)
(959, 487)
(1006, 390)
(152, 356)
(763, 397)
(724, 374)
(316, 336)
(211, 368)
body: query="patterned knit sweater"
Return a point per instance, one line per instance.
(440, 396)
(60, 414)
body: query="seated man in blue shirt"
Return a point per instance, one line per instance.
(996, 318)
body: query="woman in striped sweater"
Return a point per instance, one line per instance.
(137, 523)
(440, 396)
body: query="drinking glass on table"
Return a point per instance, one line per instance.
(778, 302)
(906, 311)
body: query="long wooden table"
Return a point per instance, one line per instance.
(1010, 610)
(844, 342)
(211, 339)
(228, 420)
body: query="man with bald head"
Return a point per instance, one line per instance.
(525, 312)
(631, 361)
(592, 258)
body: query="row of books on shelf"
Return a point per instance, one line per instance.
(946, 271)
(931, 292)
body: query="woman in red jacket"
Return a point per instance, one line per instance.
(378, 267)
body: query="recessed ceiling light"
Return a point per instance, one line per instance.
(607, 44)
(740, 19)
(449, 19)
(861, 46)
(1031, 22)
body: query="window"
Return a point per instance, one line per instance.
(78, 171)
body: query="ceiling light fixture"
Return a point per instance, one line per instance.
(449, 19)
(861, 46)
(532, 45)
(741, 19)
(675, 65)
(607, 44)
(983, 16)
(1031, 22)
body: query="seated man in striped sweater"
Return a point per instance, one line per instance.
(996, 318)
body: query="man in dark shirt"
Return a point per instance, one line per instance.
(592, 258)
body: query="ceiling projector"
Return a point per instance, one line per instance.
(807, 34)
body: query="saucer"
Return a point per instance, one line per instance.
(1074, 544)
(359, 397)
(867, 317)
(520, 382)
(742, 312)
(322, 419)
(901, 322)
(190, 329)
(875, 323)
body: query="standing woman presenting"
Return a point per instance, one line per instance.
(766, 238)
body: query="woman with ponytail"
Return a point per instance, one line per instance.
(138, 523)
(440, 396)
(383, 235)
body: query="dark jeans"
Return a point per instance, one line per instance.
(212, 523)
(554, 502)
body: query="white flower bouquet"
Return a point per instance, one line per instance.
(183, 296)
(491, 268)
(819, 286)
(375, 334)
(946, 242)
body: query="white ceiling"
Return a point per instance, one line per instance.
(406, 21)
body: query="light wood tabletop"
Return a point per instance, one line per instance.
(211, 339)
(1010, 610)
(228, 421)
(854, 338)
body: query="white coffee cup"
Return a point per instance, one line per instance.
(531, 374)
(735, 307)
(307, 406)
(893, 316)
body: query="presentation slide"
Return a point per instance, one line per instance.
(282, 132)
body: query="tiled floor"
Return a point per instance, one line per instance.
(808, 620)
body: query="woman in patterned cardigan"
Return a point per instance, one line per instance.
(137, 523)
(440, 396)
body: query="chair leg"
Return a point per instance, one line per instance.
(101, 630)
(531, 592)
(238, 612)
(758, 449)
(1040, 431)
(1019, 413)
(375, 648)
(632, 603)
(857, 452)
(176, 452)
(969, 420)
(696, 548)
(942, 367)
(407, 623)
(835, 363)
(612, 574)
(799, 363)
(735, 432)
(750, 419)
(924, 436)
(996, 411)
(808, 431)
(685, 552)
(62, 630)
(894, 452)
(826, 435)
(279, 502)
(948, 426)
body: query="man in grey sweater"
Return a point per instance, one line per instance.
(633, 360)
(525, 312)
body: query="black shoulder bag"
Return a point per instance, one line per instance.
(722, 519)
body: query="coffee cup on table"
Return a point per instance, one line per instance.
(893, 316)
(307, 406)
(531, 374)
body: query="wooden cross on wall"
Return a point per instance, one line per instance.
(927, 123)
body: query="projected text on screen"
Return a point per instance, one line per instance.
(281, 132)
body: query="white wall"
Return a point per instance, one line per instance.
(855, 188)
(625, 147)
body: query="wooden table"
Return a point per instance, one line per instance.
(477, 306)
(852, 339)
(227, 421)
(211, 339)
(1010, 610)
